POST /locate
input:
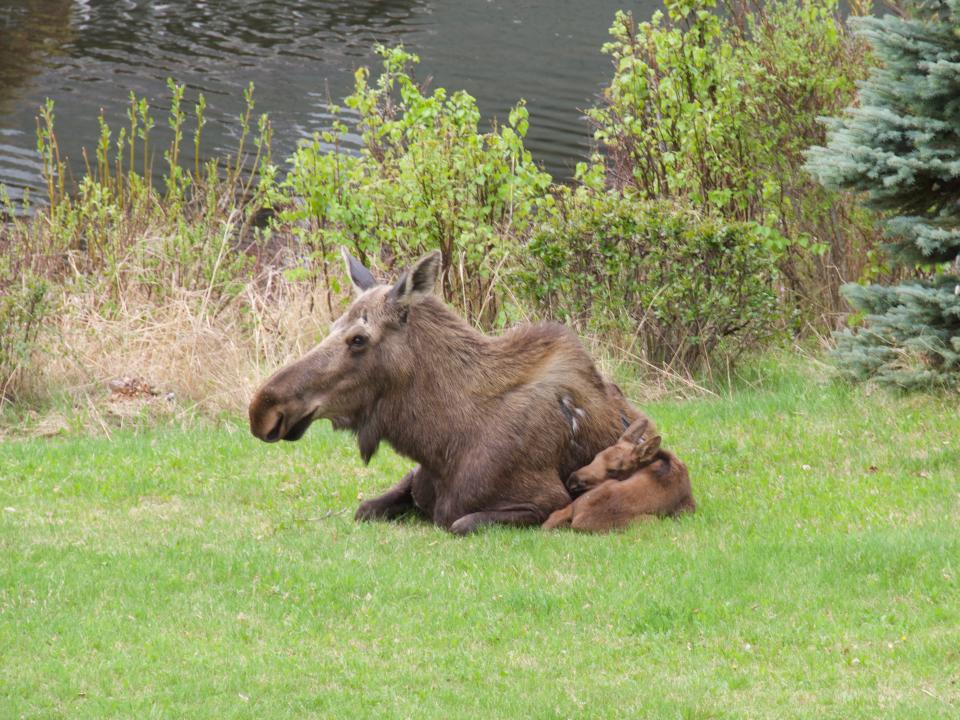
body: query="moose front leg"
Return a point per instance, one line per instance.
(393, 503)
(520, 518)
(546, 494)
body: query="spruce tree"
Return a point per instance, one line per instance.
(900, 147)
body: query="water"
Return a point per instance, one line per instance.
(89, 55)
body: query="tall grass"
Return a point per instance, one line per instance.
(178, 282)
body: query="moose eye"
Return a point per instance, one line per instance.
(358, 341)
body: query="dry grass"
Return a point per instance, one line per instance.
(197, 352)
(196, 360)
(209, 361)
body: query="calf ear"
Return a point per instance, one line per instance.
(638, 430)
(359, 275)
(417, 282)
(644, 452)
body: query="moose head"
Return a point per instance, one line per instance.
(637, 446)
(366, 354)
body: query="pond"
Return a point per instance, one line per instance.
(88, 56)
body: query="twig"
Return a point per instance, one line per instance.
(328, 514)
(684, 380)
(936, 697)
(95, 414)
(493, 283)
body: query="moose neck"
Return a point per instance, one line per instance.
(433, 408)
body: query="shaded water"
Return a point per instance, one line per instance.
(89, 55)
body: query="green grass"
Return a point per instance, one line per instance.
(198, 573)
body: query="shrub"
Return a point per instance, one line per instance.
(426, 179)
(24, 307)
(117, 226)
(718, 109)
(671, 284)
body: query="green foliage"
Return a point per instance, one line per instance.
(709, 219)
(24, 307)
(673, 284)
(116, 226)
(426, 179)
(176, 176)
(717, 108)
(911, 336)
(900, 147)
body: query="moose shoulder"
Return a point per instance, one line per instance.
(495, 423)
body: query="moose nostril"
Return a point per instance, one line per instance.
(274, 434)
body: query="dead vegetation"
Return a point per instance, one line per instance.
(174, 357)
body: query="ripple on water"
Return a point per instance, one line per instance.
(88, 56)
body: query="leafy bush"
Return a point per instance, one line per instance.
(719, 108)
(115, 225)
(706, 117)
(24, 307)
(426, 179)
(674, 285)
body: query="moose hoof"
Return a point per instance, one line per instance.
(579, 487)
(576, 489)
(370, 510)
(465, 525)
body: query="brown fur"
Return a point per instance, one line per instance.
(631, 480)
(495, 423)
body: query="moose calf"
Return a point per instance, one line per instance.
(630, 480)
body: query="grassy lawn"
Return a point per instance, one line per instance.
(199, 573)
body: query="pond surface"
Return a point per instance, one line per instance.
(89, 55)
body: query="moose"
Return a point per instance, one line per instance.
(495, 423)
(631, 480)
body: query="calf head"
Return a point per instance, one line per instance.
(364, 355)
(637, 447)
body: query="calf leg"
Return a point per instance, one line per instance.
(560, 518)
(394, 502)
(601, 523)
(602, 509)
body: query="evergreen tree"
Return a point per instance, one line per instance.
(901, 148)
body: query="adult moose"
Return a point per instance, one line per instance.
(495, 423)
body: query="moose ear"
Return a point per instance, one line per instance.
(359, 275)
(644, 452)
(417, 282)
